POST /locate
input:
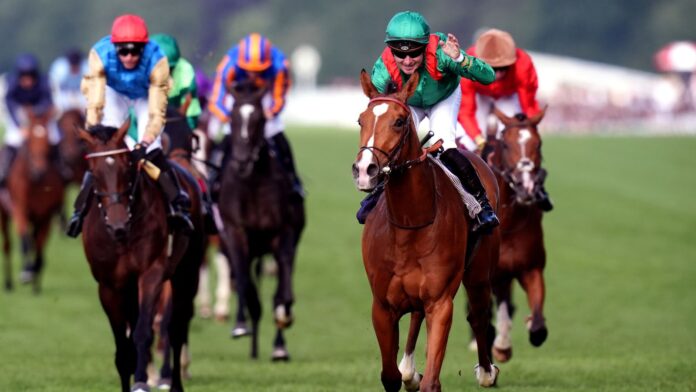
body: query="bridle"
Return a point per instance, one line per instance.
(391, 166)
(113, 198)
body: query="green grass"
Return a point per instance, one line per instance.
(621, 292)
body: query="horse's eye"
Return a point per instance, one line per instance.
(360, 122)
(399, 122)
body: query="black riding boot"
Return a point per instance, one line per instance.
(179, 201)
(458, 164)
(80, 206)
(218, 160)
(282, 149)
(542, 197)
(7, 157)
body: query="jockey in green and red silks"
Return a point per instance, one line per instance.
(440, 64)
(255, 58)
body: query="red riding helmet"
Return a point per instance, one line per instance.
(254, 53)
(129, 28)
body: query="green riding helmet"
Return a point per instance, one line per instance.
(408, 26)
(169, 47)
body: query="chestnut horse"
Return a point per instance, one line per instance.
(131, 253)
(36, 191)
(515, 157)
(259, 216)
(417, 244)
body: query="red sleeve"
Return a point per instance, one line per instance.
(467, 109)
(527, 84)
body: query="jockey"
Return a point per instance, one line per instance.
(441, 64)
(513, 91)
(128, 71)
(28, 94)
(256, 59)
(183, 94)
(65, 75)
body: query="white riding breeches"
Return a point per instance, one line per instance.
(510, 105)
(14, 136)
(116, 112)
(443, 118)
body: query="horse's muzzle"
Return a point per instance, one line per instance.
(366, 177)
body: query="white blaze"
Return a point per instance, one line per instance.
(246, 111)
(363, 179)
(524, 136)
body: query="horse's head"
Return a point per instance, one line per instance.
(387, 134)
(248, 121)
(110, 164)
(520, 154)
(37, 146)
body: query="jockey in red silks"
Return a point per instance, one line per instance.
(127, 71)
(513, 91)
(255, 58)
(440, 63)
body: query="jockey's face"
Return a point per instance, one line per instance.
(129, 55)
(27, 81)
(500, 72)
(408, 64)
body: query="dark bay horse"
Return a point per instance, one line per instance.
(417, 245)
(36, 192)
(515, 157)
(72, 149)
(132, 253)
(259, 216)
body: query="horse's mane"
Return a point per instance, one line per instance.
(102, 132)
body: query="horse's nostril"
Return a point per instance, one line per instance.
(355, 170)
(372, 170)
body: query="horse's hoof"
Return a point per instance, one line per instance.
(205, 312)
(502, 354)
(140, 387)
(164, 384)
(222, 318)
(413, 384)
(485, 378)
(280, 354)
(240, 331)
(538, 337)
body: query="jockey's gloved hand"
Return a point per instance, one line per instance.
(139, 152)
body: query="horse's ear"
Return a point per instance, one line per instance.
(507, 121)
(409, 88)
(492, 126)
(122, 130)
(367, 86)
(85, 135)
(536, 119)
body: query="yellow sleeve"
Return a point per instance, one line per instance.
(157, 98)
(93, 87)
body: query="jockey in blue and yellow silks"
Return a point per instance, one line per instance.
(127, 71)
(255, 58)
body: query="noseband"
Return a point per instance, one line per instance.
(113, 197)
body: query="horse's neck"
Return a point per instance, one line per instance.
(411, 194)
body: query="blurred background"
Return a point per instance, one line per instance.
(598, 60)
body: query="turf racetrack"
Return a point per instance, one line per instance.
(621, 289)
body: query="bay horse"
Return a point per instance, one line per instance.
(259, 216)
(36, 192)
(132, 253)
(515, 157)
(72, 149)
(417, 243)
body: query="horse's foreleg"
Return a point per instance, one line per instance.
(114, 304)
(438, 318)
(410, 377)
(284, 296)
(479, 294)
(386, 325)
(502, 345)
(533, 283)
(41, 230)
(280, 351)
(223, 287)
(149, 288)
(6, 248)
